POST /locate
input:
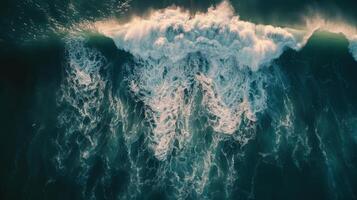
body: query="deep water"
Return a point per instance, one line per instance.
(89, 115)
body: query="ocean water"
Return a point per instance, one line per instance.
(138, 99)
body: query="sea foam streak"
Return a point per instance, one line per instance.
(81, 93)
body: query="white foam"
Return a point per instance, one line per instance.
(173, 33)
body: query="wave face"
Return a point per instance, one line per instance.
(176, 105)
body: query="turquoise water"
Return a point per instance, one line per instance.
(195, 104)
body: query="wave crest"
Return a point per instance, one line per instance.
(219, 34)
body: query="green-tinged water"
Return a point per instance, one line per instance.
(175, 105)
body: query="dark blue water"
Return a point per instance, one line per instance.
(195, 107)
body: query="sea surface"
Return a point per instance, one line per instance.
(178, 99)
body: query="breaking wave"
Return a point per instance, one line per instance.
(196, 86)
(217, 34)
(214, 54)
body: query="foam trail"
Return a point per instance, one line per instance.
(228, 119)
(81, 93)
(162, 90)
